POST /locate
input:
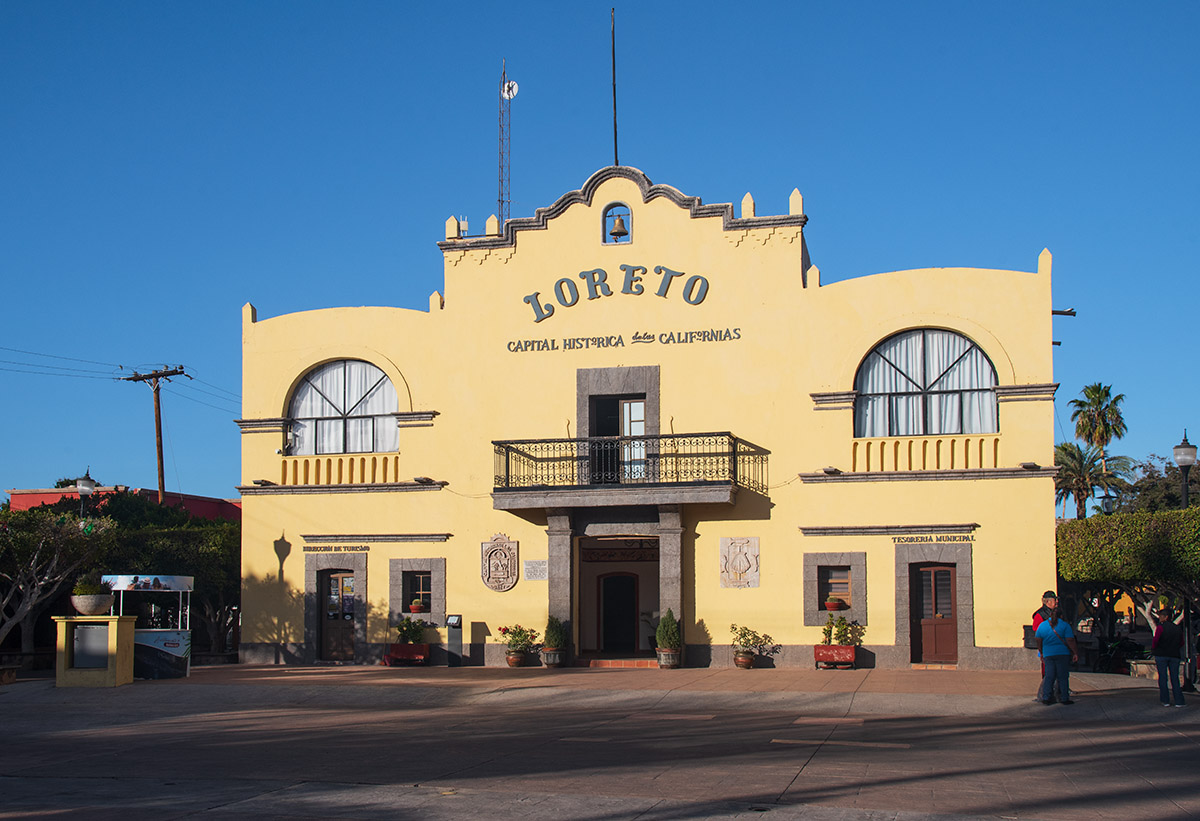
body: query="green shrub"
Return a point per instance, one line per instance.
(556, 634)
(667, 635)
(89, 584)
(410, 631)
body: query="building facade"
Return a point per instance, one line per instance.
(633, 401)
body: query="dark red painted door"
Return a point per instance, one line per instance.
(934, 614)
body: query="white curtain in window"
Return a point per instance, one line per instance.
(344, 407)
(949, 379)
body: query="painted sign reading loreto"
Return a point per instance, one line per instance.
(693, 289)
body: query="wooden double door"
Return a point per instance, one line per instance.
(934, 613)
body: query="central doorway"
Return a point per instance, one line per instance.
(618, 595)
(618, 615)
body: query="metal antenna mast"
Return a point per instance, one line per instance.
(508, 90)
(613, 18)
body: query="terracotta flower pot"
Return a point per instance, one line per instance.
(418, 608)
(515, 658)
(836, 655)
(743, 659)
(834, 605)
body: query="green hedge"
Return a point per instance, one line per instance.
(1132, 548)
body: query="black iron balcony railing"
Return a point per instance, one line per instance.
(673, 459)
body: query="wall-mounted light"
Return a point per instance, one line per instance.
(422, 480)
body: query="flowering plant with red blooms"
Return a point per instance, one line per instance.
(519, 638)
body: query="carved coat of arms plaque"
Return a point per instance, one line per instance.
(498, 565)
(739, 562)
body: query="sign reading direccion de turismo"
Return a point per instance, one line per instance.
(635, 280)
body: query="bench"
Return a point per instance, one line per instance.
(8, 673)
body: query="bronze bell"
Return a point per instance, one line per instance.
(618, 229)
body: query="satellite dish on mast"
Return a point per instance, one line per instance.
(509, 89)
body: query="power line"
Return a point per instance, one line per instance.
(68, 375)
(55, 367)
(217, 396)
(200, 402)
(68, 358)
(236, 396)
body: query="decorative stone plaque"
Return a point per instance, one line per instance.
(498, 564)
(535, 570)
(739, 561)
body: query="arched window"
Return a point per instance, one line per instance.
(926, 381)
(347, 406)
(618, 224)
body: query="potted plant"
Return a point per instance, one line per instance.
(409, 646)
(521, 641)
(554, 648)
(839, 644)
(748, 644)
(669, 641)
(418, 605)
(90, 596)
(832, 602)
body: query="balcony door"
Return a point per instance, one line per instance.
(618, 459)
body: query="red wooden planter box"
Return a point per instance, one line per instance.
(411, 653)
(835, 655)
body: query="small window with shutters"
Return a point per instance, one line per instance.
(834, 580)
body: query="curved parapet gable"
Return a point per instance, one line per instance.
(649, 191)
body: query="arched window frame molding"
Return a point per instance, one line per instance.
(302, 439)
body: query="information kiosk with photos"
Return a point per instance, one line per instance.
(158, 652)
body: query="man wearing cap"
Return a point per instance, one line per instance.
(1049, 602)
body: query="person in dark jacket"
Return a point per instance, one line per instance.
(1166, 646)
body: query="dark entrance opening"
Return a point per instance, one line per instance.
(618, 613)
(934, 613)
(337, 615)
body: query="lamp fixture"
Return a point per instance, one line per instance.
(422, 480)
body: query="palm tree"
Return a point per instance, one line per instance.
(1097, 417)
(1081, 472)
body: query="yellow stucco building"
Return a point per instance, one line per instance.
(633, 401)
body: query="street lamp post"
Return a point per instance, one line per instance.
(1185, 457)
(84, 485)
(1108, 502)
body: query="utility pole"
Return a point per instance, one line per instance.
(153, 378)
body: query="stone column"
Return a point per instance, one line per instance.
(560, 570)
(670, 560)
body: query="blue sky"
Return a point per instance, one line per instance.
(164, 163)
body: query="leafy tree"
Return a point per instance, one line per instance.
(1145, 554)
(1097, 417)
(1157, 484)
(1081, 472)
(40, 551)
(154, 538)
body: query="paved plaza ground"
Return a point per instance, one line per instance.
(436, 743)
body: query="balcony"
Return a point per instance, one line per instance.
(689, 468)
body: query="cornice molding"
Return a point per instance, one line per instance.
(415, 419)
(307, 490)
(649, 191)
(834, 400)
(1041, 392)
(970, 474)
(333, 538)
(273, 425)
(890, 530)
